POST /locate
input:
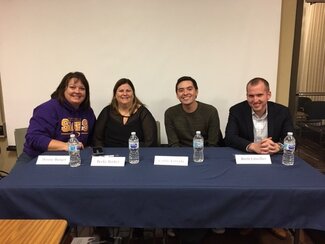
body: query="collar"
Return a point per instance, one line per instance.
(262, 117)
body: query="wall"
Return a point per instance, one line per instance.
(216, 68)
(288, 15)
(151, 42)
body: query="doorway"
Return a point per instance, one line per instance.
(307, 86)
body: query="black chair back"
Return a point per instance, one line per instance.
(302, 102)
(315, 110)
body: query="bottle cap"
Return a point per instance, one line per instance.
(290, 133)
(198, 132)
(133, 133)
(72, 135)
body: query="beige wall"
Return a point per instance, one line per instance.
(7, 159)
(222, 47)
(285, 51)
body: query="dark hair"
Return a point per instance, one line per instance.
(135, 103)
(59, 92)
(183, 78)
(257, 80)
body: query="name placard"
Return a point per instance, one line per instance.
(53, 160)
(253, 159)
(171, 160)
(108, 161)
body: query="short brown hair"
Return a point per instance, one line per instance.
(256, 80)
(184, 78)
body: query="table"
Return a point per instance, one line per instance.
(214, 194)
(32, 231)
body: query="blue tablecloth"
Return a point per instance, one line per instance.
(215, 193)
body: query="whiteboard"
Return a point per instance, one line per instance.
(220, 43)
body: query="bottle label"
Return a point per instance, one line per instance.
(133, 146)
(198, 144)
(73, 148)
(289, 147)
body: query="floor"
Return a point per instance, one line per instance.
(231, 236)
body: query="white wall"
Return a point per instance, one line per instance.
(220, 43)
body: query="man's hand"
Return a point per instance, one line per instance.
(266, 146)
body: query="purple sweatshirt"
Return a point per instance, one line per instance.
(52, 120)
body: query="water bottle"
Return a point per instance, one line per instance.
(289, 146)
(133, 149)
(198, 146)
(74, 151)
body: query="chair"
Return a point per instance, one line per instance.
(20, 139)
(221, 140)
(315, 119)
(302, 102)
(315, 110)
(158, 133)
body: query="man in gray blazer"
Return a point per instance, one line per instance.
(258, 126)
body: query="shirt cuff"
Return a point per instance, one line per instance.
(247, 147)
(281, 146)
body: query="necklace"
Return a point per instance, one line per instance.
(124, 114)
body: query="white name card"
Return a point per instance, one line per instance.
(107, 160)
(171, 160)
(53, 160)
(253, 159)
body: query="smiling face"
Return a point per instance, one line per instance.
(186, 92)
(75, 92)
(257, 97)
(124, 95)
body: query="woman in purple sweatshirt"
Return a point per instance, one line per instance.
(68, 111)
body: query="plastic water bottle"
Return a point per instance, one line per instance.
(198, 147)
(134, 149)
(74, 151)
(289, 146)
